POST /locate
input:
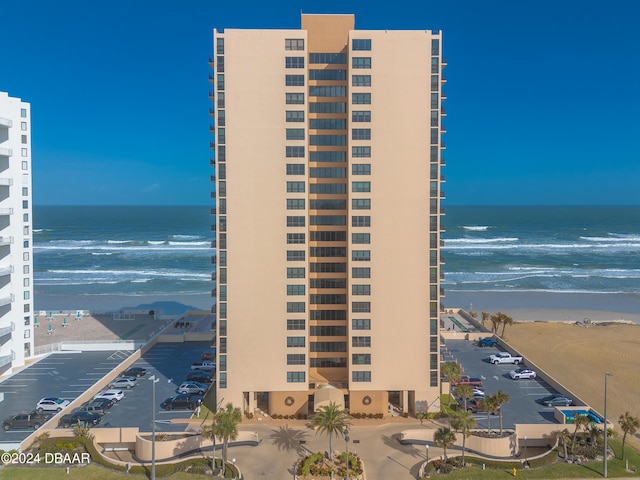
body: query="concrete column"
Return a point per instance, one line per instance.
(405, 401)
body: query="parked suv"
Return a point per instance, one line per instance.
(199, 376)
(182, 401)
(25, 420)
(51, 404)
(123, 382)
(192, 387)
(79, 418)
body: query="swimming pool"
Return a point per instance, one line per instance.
(593, 418)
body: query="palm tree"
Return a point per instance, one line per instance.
(505, 320)
(445, 438)
(465, 392)
(331, 419)
(580, 421)
(485, 317)
(564, 436)
(495, 321)
(453, 372)
(489, 405)
(501, 398)
(225, 426)
(628, 424)
(207, 433)
(463, 422)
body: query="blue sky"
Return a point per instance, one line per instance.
(543, 96)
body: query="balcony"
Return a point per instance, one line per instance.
(6, 330)
(6, 300)
(212, 144)
(444, 61)
(5, 122)
(5, 360)
(212, 78)
(5, 152)
(8, 270)
(443, 128)
(443, 95)
(212, 128)
(443, 111)
(212, 161)
(212, 94)
(442, 179)
(443, 145)
(443, 162)
(6, 182)
(6, 211)
(442, 195)
(212, 178)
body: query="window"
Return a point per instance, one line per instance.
(294, 152)
(295, 168)
(295, 116)
(295, 238)
(328, 315)
(361, 169)
(361, 204)
(323, 267)
(25, 165)
(220, 81)
(360, 289)
(361, 116)
(25, 204)
(294, 80)
(361, 221)
(361, 376)
(331, 156)
(219, 63)
(328, 204)
(220, 46)
(220, 102)
(328, 283)
(296, 221)
(327, 172)
(327, 107)
(295, 290)
(361, 272)
(23, 139)
(296, 377)
(25, 269)
(25, 191)
(295, 272)
(328, 252)
(294, 43)
(327, 91)
(330, 220)
(361, 255)
(221, 135)
(295, 187)
(361, 98)
(361, 134)
(435, 65)
(295, 133)
(360, 186)
(361, 62)
(328, 188)
(328, 124)
(330, 58)
(295, 255)
(361, 324)
(361, 358)
(296, 324)
(23, 126)
(361, 44)
(295, 359)
(328, 346)
(435, 47)
(23, 112)
(294, 98)
(294, 62)
(328, 362)
(328, 140)
(361, 238)
(328, 331)
(296, 307)
(361, 80)
(25, 152)
(328, 236)
(361, 152)
(295, 203)
(360, 307)
(360, 341)
(315, 74)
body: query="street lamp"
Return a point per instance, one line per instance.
(346, 449)
(153, 380)
(426, 447)
(525, 451)
(604, 463)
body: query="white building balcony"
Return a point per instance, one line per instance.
(6, 122)
(6, 270)
(6, 211)
(4, 241)
(6, 359)
(7, 182)
(5, 152)
(6, 300)
(5, 330)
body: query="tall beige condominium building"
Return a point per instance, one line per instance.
(327, 158)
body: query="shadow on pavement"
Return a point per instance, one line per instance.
(289, 440)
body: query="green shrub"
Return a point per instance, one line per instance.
(308, 462)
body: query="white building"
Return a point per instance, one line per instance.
(16, 244)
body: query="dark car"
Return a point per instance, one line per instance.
(25, 420)
(79, 418)
(199, 376)
(105, 403)
(134, 372)
(556, 400)
(475, 405)
(182, 401)
(99, 408)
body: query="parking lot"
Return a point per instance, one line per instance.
(522, 407)
(68, 374)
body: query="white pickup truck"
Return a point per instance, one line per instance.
(205, 365)
(504, 357)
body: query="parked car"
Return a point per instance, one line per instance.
(106, 403)
(134, 372)
(504, 357)
(206, 365)
(25, 420)
(199, 376)
(117, 395)
(182, 401)
(475, 405)
(208, 355)
(123, 382)
(556, 400)
(98, 408)
(79, 418)
(192, 387)
(51, 404)
(487, 342)
(522, 373)
(467, 380)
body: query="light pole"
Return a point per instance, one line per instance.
(346, 449)
(153, 380)
(604, 463)
(525, 451)
(426, 447)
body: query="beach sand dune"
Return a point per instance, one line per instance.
(578, 357)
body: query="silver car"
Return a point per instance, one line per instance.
(123, 382)
(192, 387)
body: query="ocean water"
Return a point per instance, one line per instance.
(89, 257)
(593, 250)
(106, 257)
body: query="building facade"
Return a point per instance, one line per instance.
(327, 153)
(16, 249)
